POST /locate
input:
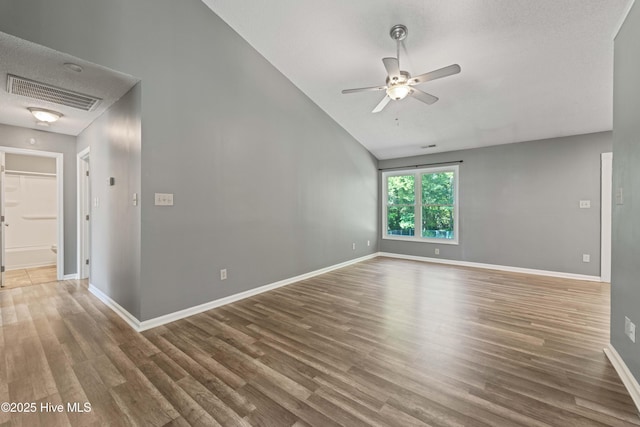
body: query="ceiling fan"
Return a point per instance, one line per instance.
(399, 83)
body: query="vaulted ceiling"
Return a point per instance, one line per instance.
(530, 69)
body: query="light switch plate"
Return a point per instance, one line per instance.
(619, 197)
(164, 199)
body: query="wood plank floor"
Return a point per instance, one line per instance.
(382, 343)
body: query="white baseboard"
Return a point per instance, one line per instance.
(70, 277)
(171, 317)
(493, 267)
(625, 374)
(117, 308)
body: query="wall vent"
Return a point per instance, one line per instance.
(44, 92)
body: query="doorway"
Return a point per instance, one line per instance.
(31, 216)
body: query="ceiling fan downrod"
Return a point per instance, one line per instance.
(398, 33)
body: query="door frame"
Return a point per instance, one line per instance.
(59, 197)
(84, 208)
(605, 216)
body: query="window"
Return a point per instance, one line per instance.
(424, 197)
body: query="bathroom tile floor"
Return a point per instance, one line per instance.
(30, 276)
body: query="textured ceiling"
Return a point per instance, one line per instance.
(35, 62)
(531, 69)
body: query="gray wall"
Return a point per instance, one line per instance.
(519, 204)
(265, 183)
(625, 268)
(115, 140)
(17, 137)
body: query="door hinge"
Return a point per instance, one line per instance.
(87, 262)
(2, 218)
(87, 217)
(87, 173)
(2, 269)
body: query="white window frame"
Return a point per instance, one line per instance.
(418, 204)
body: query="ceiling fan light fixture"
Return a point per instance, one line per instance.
(47, 116)
(398, 92)
(399, 83)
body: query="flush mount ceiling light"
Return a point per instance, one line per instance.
(46, 116)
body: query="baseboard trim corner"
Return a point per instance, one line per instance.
(624, 373)
(70, 277)
(507, 268)
(117, 308)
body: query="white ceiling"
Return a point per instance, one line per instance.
(531, 69)
(39, 63)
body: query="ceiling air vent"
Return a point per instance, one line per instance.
(44, 92)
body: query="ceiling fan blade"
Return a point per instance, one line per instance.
(423, 96)
(437, 74)
(392, 65)
(382, 104)
(365, 89)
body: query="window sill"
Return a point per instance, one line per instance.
(422, 240)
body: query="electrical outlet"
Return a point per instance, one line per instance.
(619, 197)
(585, 204)
(353, 246)
(368, 242)
(437, 251)
(586, 258)
(629, 329)
(223, 274)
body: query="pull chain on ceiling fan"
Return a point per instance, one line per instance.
(399, 83)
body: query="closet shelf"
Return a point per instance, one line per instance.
(39, 216)
(16, 172)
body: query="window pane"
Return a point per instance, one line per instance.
(437, 222)
(401, 190)
(401, 220)
(437, 188)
